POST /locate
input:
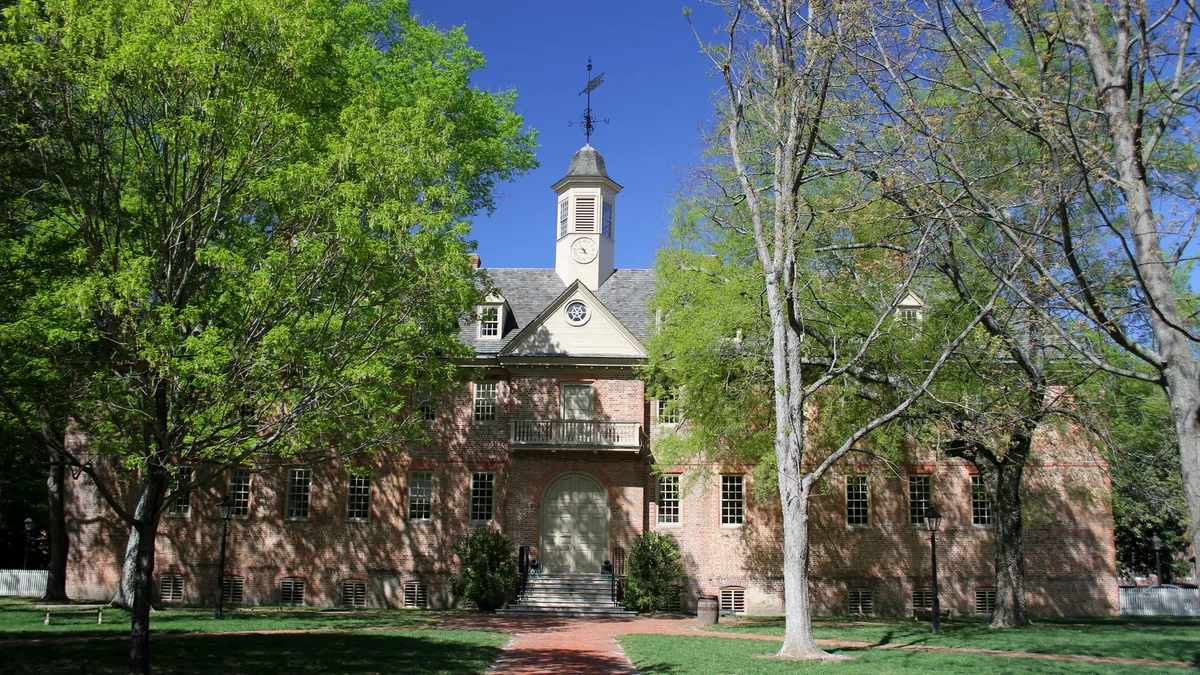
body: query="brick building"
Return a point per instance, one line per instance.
(551, 441)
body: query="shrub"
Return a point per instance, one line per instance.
(654, 569)
(489, 572)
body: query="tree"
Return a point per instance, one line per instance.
(270, 225)
(1095, 104)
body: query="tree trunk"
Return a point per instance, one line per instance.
(56, 572)
(1005, 486)
(140, 581)
(1179, 365)
(798, 640)
(126, 589)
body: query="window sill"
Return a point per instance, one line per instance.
(423, 522)
(731, 526)
(358, 521)
(671, 526)
(296, 519)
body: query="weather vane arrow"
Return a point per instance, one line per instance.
(588, 121)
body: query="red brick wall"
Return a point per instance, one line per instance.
(1070, 563)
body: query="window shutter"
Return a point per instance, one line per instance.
(733, 600)
(416, 595)
(291, 591)
(585, 214)
(354, 593)
(232, 590)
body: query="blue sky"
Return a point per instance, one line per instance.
(657, 94)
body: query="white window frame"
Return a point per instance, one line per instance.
(181, 506)
(564, 217)
(482, 491)
(916, 516)
(733, 510)
(425, 407)
(291, 491)
(238, 490)
(852, 482)
(481, 323)
(669, 496)
(983, 514)
(480, 403)
(666, 414)
(607, 217)
(562, 400)
(426, 491)
(355, 501)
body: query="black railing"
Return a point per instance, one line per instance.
(522, 571)
(618, 574)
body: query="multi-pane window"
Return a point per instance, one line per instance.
(487, 395)
(920, 498)
(424, 406)
(922, 598)
(733, 500)
(668, 408)
(358, 496)
(985, 600)
(183, 503)
(298, 486)
(420, 495)
(489, 322)
(733, 600)
(909, 314)
(858, 501)
(354, 593)
(233, 590)
(291, 591)
(239, 492)
(860, 602)
(668, 499)
(170, 588)
(483, 492)
(606, 219)
(981, 502)
(416, 595)
(563, 210)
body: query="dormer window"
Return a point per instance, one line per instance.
(564, 208)
(909, 314)
(607, 219)
(910, 309)
(489, 321)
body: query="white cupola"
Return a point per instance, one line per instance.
(585, 220)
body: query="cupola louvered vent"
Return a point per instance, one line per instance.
(354, 593)
(585, 214)
(416, 595)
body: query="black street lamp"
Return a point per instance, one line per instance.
(28, 535)
(1156, 544)
(933, 521)
(225, 508)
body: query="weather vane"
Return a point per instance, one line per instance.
(589, 121)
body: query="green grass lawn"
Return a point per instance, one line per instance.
(18, 619)
(671, 655)
(1160, 638)
(392, 652)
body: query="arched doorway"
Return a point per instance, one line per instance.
(574, 524)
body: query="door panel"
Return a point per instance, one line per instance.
(577, 401)
(574, 524)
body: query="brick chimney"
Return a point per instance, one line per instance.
(475, 260)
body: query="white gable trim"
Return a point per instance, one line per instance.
(577, 290)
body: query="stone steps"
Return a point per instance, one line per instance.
(566, 595)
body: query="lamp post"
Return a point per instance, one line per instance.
(225, 508)
(1156, 544)
(933, 521)
(28, 534)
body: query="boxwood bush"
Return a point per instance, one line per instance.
(489, 568)
(654, 568)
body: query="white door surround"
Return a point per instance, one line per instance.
(574, 524)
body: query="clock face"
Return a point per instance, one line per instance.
(584, 250)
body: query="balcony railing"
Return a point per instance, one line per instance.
(576, 433)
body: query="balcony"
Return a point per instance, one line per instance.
(575, 434)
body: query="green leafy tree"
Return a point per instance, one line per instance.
(268, 219)
(655, 569)
(489, 568)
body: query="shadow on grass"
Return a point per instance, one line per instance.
(431, 651)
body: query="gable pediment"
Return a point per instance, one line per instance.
(559, 332)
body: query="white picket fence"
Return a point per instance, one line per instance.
(23, 583)
(1159, 601)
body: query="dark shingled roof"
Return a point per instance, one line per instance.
(530, 291)
(587, 162)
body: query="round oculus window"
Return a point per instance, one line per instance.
(577, 313)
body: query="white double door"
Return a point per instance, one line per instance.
(574, 524)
